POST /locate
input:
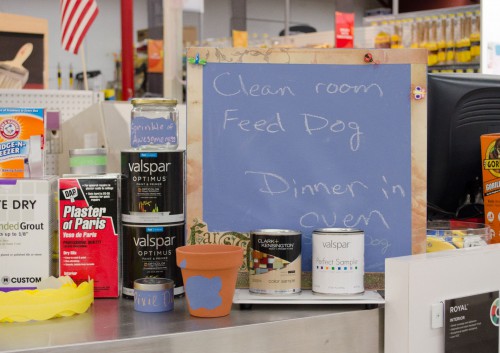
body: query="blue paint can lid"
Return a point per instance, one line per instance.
(153, 284)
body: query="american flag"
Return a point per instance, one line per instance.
(76, 18)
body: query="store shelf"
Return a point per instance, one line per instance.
(406, 15)
(112, 325)
(458, 68)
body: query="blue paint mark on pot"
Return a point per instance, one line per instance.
(183, 264)
(203, 292)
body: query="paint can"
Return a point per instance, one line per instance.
(153, 186)
(338, 260)
(275, 261)
(153, 295)
(148, 251)
(88, 161)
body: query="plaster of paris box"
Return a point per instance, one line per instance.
(88, 231)
(28, 226)
(490, 152)
(21, 142)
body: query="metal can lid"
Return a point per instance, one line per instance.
(337, 231)
(151, 101)
(159, 225)
(275, 232)
(151, 150)
(153, 284)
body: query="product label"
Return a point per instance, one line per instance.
(153, 187)
(490, 150)
(275, 264)
(21, 142)
(88, 232)
(471, 323)
(150, 132)
(27, 230)
(338, 263)
(150, 252)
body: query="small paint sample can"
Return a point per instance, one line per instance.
(275, 261)
(153, 295)
(338, 260)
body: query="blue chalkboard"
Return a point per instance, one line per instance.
(310, 146)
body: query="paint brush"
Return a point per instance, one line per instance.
(12, 72)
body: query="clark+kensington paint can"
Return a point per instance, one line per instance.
(153, 186)
(275, 261)
(149, 252)
(338, 260)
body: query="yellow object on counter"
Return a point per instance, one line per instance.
(44, 304)
(435, 244)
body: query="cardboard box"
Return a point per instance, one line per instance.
(490, 152)
(28, 227)
(89, 210)
(21, 142)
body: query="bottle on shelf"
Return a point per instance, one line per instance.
(422, 33)
(415, 34)
(432, 48)
(463, 44)
(383, 38)
(450, 39)
(441, 44)
(475, 37)
(396, 37)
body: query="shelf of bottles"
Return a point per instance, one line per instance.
(451, 36)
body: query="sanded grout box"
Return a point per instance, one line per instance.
(28, 228)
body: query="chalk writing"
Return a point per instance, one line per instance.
(320, 220)
(312, 125)
(246, 125)
(336, 126)
(395, 189)
(343, 88)
(239, 85)
(274, 184)
(159, 131)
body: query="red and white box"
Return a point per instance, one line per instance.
(89, 209)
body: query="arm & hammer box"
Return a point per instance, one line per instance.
(22, 142)
(28, 227)
(490, 152)
(89, 231)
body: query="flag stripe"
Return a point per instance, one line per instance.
(71, 20)
(76, 23)
(80, 34)
(76, 18)
(64, 17)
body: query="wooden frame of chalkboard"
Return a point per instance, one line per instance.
(305, 139)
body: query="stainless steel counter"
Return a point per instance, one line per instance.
(112, 325)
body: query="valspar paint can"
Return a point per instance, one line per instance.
(153, 186)
(338, 260)
(149, 252)
(275, 261)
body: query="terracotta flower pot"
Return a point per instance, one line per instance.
(209, 272)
